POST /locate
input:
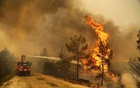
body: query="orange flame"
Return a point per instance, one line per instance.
(100, 51)
(98, 29)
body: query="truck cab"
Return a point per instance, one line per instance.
(23, 67)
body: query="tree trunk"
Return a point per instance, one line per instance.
(102, 71)
(77, 65)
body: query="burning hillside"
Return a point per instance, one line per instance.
(99, 61)
(101, 53)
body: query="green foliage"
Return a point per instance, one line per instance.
(49, 68)
(63, 68)
(62, 54)
(42, 62)
(63, 65)
(77, 45)
(6, 64)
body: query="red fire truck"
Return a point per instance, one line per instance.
(23, 67)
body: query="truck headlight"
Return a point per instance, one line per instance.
(21, 66)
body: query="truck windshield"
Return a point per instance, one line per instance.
(24, 63)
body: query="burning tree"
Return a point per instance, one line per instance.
(77, 46)
(101, 53)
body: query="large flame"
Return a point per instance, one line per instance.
(100, 52)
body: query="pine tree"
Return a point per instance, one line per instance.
(77, 46)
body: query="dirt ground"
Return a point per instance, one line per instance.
(37, 80)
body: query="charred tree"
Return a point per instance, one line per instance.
(102, 53)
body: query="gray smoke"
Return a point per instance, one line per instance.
(32, 25)
(122, 43)
(26, 26)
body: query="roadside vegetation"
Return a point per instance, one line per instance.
(7, 63)
(76, 47)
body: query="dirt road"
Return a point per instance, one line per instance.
(37, 80)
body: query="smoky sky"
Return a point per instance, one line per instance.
(12, 10)
(128, 11)
(30, 25)
(27, 26)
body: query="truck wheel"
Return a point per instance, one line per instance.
(28, 73)
(18, 73)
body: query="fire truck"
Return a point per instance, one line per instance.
(23, 67)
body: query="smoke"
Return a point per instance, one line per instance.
(122, 43)
(31, 25)
(26, 26)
